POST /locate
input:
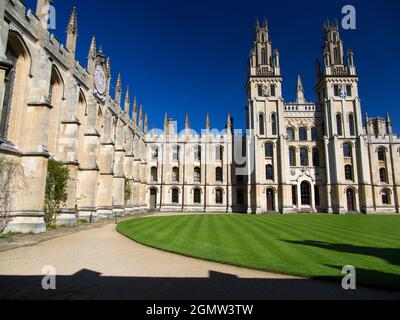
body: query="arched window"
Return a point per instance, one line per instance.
(315, 154)
(153, 174)
(175, 153)
(269, 150)
(382, 175)
(197, 153)
(55, 98)
(15, 82)
(352, 125)
(197, 174)
(273, 124)
(290, 134)
(197, 196)
(303, 134)
(385, 197)
(292, 156)
(381, 154)
(339, 127)
(175, 174)
(154, 154)
(347, 152)
(175, 196)
(219, 153)
(269, 172)
(348, 172)
(219, 175)
(305, 193)
(263, 56)
(8, 92)
(304, 157)
(314, 134)
(261, 124)
(218, 196)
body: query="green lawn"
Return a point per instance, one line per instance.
(315, 246)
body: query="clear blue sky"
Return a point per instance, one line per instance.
(191, 56)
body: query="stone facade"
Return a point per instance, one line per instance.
(293, 160)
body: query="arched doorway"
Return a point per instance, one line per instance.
(305, 193)
(350, 200)
(153, 198)
(270, 200)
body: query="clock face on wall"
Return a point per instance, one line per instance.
(100, 79)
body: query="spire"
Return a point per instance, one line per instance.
(146, 123)
(108, 66)
(187, 124)
(92, 50)
(165, 121)
(229, 123)
(388, 118)
(73, 22)
(265, 24)
(134, 112)
(141, 117)
(92, 56)
(257, 23)
(300, 91)
(208, 126)
(118, 90)
(127, 101)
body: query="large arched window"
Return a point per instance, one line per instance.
(15, 82)
(8, 92)
(154, 153)
(273, 124)
(219, 153)
(197, 153)
(304, 157)
(347, 152)
(385, 197)
(381, 154)
(315, 155)
(263, 56)
(218, 196)
(303, 134)
(292, 156)
(314, 134)
(197, 175)
(153, 174)
(348, 172)
(383, 175)
(175, 174)
(269, 172)
(175, 153)
(175, 195)
(339, 126)
(219, 175)
(197, 196)
(55, 98)
(305, 193)
(290, 134)
(269, 150)
(352, 125)
(261, 124)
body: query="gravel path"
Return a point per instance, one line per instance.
(102, 264)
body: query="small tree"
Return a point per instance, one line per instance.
(127, 190)
(56, 189)
(10, 182)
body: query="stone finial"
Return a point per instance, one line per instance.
(141, 117)
(187, 123)
(118, 90)
(92, 49)
(146, 123)
(208, 125)
(127, 101)
(72, 27)
(300, 91)
(229, 122)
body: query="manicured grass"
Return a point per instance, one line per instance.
(315, 246)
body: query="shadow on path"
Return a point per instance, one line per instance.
(87, 284)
